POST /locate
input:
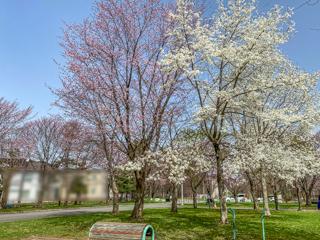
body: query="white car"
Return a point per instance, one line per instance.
(271, 198)
(230, 200)
(260, 199)
(241, 197)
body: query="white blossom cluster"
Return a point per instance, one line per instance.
(172, 163)
(288, 160)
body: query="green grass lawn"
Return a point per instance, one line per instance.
(54, 205)
(50, 205)
(284, 206)
(187, 224)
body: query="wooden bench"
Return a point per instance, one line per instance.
(117, 231)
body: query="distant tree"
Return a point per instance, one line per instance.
(235, 183)
(12, 119)
(125, 184)
(78, 187)
(45, 136)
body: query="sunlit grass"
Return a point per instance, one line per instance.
(188, 223)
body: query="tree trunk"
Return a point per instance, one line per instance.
(307, 188)
(253, 191)
(265, 195)
(310, 189)
(115, 199)
(221, 190)
(275, 195)
(6, 177)
(194, 199)
(137, 211)
(276, 200)
(299, 197)
(107, 193)
(308, 199)
(174, 203)
(235, 196)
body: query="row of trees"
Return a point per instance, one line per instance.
(256, 108)
(162, 90)
(50, 141)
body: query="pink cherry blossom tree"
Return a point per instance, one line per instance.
(113, 80)
(12, 119)
(45, 136)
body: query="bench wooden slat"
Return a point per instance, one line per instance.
(117, 231)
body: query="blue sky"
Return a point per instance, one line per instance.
(29, 44)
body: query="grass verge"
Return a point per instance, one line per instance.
(187, 224)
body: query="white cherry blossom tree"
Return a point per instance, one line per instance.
(232, 60)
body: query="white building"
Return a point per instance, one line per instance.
(24, 187)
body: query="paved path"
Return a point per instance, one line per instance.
(12, 217)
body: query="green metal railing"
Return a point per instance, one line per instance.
(234, 228)
(263, 216)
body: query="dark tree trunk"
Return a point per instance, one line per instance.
(276, 200)
(275, 195)
(6, 177)
(308, 188)
(115, 199)
(137, 212)
(174, 203)
(194, 199)
(235, 196)
(253, 191)
(107, 193)
(195, 182)
(308, 199)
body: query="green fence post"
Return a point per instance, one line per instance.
(263, 216)
(234, 229)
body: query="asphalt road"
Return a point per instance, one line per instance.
(12, 217)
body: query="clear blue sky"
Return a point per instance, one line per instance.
(29, 43)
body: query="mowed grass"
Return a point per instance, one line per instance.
(282, 206)
(188, 223)
(27, 207)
